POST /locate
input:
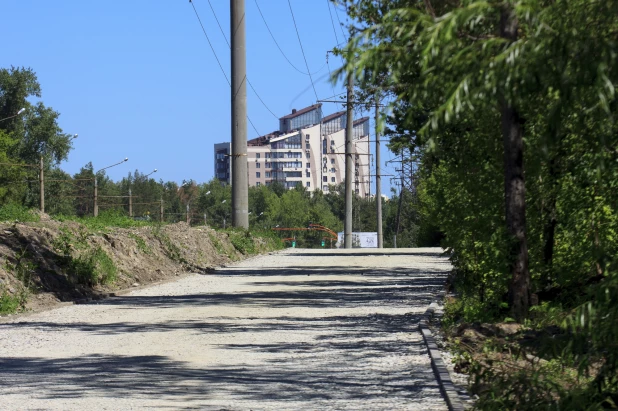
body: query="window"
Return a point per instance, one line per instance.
(267, 165)
(267, 174)
(307, 146)
(308, 165)
(257, 175)
(266, 155)
(324, 188)
(257, 165)
(332, 179)
(324, 146)
(258, 184)
(332, 161)
(308, 155)
(333, 170)
(325, 179)
(257, 155)
(308, 183)
(308, 174)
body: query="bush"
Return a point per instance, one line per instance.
(16, 212)
(94, 267)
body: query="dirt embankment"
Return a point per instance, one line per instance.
(47, 262)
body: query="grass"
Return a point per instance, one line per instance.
(107, 220)
(141, 244)
(10, 303)
(16, 212)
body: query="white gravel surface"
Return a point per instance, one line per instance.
(297, 330)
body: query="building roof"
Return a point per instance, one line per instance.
(360, 121)
(263, 140)
(333, 116)
(296, 113)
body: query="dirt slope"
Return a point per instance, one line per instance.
(47, 262)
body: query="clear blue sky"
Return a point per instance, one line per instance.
(138, 79)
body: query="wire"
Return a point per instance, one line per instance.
(229, 45)
(217, 58)
(338, 19)
(303, 51)
(332, 22)
(277, 44)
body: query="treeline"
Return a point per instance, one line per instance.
(511, 107)
(30, 136)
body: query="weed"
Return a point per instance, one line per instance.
(141, 244)
(216, 243)
(108, 219)
(94, 267)
(16, 212)
(10, 303)
(242, 241)
(173, 252)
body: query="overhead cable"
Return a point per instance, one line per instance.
(217, 58)
(228, 44)
(303, 51)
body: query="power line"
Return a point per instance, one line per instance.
(302, 50)
(338, 19)
(217, 58)
(277, 44)
(332, 22)
(228, 44)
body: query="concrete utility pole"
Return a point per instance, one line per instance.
(41, 185)
(378, 179)
(240, 185)
(348, 164)
(130, 204)
(96, 197)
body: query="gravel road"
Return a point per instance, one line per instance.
(296, 330)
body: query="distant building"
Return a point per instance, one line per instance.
(223, 165)
(307, 149)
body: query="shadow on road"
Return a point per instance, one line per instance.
(333, 364)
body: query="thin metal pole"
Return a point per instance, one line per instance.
(130, 204)
(240, 186)
(188, 218)
(378, 179)
(348, 164)
(41, 185)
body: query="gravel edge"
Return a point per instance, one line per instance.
(440, 371)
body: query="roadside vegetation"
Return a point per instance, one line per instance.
(509, 108)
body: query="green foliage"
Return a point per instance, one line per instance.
(108, 219)
(242, 241)
(172, 251)
(15, 212)
(10, 303)
(93, 267)
(141, 244)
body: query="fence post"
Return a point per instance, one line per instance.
(96, 199)
(205, 222)
(41, 185)
(161, 210)
(130, 204)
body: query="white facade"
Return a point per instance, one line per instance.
(309, 156)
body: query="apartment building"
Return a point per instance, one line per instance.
(308, 149)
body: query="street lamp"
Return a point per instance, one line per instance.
(96, 185)
(21, 110)
(153, 171)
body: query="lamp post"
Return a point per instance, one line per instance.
(21, 110)
(223, 202)
(153, 171)
(96, 185)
